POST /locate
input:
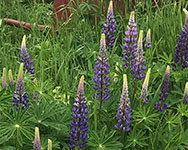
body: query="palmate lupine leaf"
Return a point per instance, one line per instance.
(16, 124)
(104, 140)
(137, 138)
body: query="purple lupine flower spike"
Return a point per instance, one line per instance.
(37, 145)
(109, 26)
(4, 79)
(101, 78)
(148, 39)
(181, 53)
(129, 54)
(185, 97)
(124, 110)
(164, 91)
(11, 80)
(25, 58)
(20, 96)
(78, 134)
(138, 67)
(144, 92)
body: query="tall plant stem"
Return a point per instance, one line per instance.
(135, 88)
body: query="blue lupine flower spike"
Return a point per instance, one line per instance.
(181, 53)
(78, 134)
(101, 78)
(20, 97)
(148, 39)
(138, 67)
(130, 46)
(124, 110)
(164, 91)
(25, 58)
(11, 80)
(37, 145)
(109, 26)
(144, 92)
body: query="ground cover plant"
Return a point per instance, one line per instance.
(118, 82)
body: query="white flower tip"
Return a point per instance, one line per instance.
(23, 41)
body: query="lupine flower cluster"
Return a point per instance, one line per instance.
(124, 110)
(185, 97)
(164, 91)
(4, 79)
(138, 66)
(148, 39)
(101, 78)
(25, 58)
(129, 54)
(144, 92)
(109, 26)
(181, 53)
(36, 145)
(11, 80)
(78, 134)
(20, 96)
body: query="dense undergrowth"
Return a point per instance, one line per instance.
(61, 59)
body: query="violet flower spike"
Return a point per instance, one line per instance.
(129, 54)
(124, 110)
(148, 39)
(185, 97)
(11, 80)
(37, 145)
(25, 58)
(109, 26)
(138, 67)
(101, 78)
(4, 79)
(181, 53)
(78, 134)
(164, 91)
(144, 92)
(20, 96)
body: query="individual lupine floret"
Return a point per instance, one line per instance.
(4, 79)
(78, 134)
(185, 97)
(144, 92)
(129, 54)
(35, 94)
(138, 67)
(101, 78)
(20, 96)
(49, 144)
(25, 58)
(164, 91)
(124, 110)
(37, 145)
(11, 80)
(109, 26)
(181, 53)
(148, 39)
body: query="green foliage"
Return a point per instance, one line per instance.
(60, 59)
